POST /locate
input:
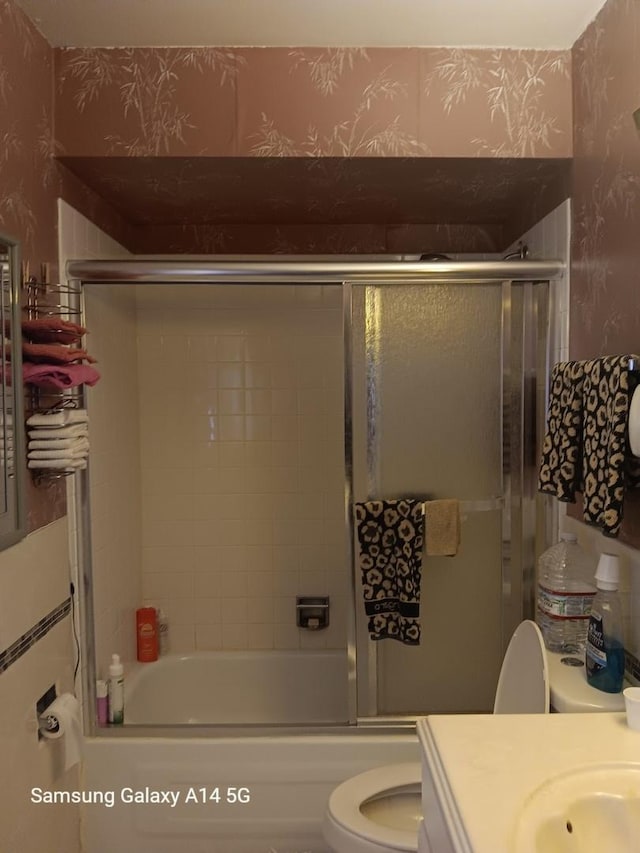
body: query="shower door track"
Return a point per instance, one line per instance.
(260, 270)
(265, 270)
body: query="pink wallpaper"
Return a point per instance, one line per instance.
(246, 150)
(27, 171)
(31, 180)
(28, 182)
(282, 102)
(605, 315)
(606, 191)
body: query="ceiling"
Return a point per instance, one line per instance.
(543, 24)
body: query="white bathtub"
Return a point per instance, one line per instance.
(288, 777)
(268, 687)
(289, 780)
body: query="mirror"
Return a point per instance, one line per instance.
(12, 466)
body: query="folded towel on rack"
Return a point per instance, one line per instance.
(54, 354)
(58, 418)
(561, 464)
(442, 523)
(58, 464)
(390, 540)
(70, 431)
(604, 427)
(59, 376)
(78, 447)
(67, 453)
(59, 444)
(52, 330)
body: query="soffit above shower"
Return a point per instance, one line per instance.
(539, 24)
(153, 191)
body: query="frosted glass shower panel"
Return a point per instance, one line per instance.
(435, 431)
(436, 367)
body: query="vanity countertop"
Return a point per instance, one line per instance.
(486, 766)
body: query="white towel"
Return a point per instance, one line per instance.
(59, 464)
(68, 453)
(70, 431)
(58, 443)
(61, 418)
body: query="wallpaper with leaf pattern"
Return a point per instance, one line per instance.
(307, 118)
(605, 295)
(31, 180)
(342, 102)
(28, 180)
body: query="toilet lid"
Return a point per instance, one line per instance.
(523, 686)
(347, 798)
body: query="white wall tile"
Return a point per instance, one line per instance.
(258, 375)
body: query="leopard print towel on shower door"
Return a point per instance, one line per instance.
(390, 537)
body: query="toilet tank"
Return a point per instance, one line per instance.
(569, 691)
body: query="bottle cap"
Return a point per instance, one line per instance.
(101, 689)
(608, 572)
(568, 537)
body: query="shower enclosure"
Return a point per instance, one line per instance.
(268, 396)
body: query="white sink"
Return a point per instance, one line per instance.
(591, 809)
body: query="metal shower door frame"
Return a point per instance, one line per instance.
(525, 333)
(348, 272)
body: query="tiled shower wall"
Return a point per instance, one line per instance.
(241, 436)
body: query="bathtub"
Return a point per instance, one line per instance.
(238, 687)
(262, 793)
(248, 794)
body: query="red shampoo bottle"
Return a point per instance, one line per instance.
(147, 634)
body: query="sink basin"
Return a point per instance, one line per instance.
(588, 810)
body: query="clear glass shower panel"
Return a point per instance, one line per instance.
(217, 495)
(434, 370)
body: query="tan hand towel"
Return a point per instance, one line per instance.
(442, 522)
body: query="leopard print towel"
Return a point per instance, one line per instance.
(585, 445)
(561, 466)
(390, 536)
(606, 409)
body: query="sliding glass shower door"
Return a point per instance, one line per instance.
(436, 372)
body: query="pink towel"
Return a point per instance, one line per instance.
(53, 353)
(59, 375)
(52, 330)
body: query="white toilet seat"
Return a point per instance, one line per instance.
(348, 829)
(523, 687)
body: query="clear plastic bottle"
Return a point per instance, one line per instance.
(163, 633)
(604, 657)
(116, 691)
(565, 595)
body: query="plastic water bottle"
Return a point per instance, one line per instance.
(565, 595)
(605, 650)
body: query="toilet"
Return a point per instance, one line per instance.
(380, 811)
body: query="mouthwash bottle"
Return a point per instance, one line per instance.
(604, 656)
